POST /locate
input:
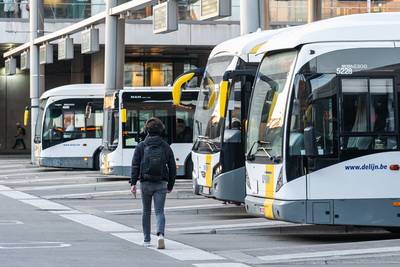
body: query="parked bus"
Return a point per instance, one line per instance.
(323, 125)
(219, 132)
(126, 113)
(69, 126)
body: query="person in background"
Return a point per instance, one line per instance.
(154, 165)
(19, 137)
(9, 8)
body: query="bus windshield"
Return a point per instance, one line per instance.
(207, 115)
(141, 106)
(268, 103)
(66, 120)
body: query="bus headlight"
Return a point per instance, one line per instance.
(217, 169)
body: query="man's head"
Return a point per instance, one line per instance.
(154, 126)
(18, 124)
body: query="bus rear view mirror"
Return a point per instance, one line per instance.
(181, 81)
(310, 144)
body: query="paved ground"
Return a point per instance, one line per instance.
(53, 217)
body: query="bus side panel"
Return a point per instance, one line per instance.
(74, 154)
(367, 177)
(203, 165)
(181, 152)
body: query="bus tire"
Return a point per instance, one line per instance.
(96, 160)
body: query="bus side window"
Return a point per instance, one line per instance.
(184, 129)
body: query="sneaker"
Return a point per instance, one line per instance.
(146, 244)
(161, 242)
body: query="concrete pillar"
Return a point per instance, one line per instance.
(114, 56)
(314, 10)
(250, 16)
(266, 15)
(36, 79)
(97, 67)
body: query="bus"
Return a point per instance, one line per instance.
(323, 125)
(219, 120)
(127, 111)
(69, 126)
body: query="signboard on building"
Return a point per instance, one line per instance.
(11, 66)
(90, 41)
(25, 60)
(215, 9)
(65, 49)
(46, 54)
(165, 17)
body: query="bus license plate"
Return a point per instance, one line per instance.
(206, 190)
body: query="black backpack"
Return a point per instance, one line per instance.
(23, 131)
(153, 163)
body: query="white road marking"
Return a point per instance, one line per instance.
(66, 211)
(17, 195)
(8, 222)
(326, 254)
(44, 204)
(98, 223)
(4, 188)
(58, 179)
(90, 194)
(34, 245)
(221, 264)
(51, 187)
(173, 249)
(228, 226)
(170, 208)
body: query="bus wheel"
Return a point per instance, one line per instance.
(96, 161)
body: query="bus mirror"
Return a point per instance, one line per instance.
(88, 110)
(26, 116)
(310, 143)
(177, 86)
(224, 95)
(123, 115)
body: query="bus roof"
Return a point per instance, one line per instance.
(89, 89)
(243, 46)
(75, 90)
(352, 28)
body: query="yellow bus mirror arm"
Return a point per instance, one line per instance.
(177, 87)
(224, 95)
(26, 116)
(123, 115)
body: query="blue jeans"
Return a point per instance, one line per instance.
(158, 191)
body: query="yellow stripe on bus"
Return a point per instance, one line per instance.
(269, 191)
(208, 171)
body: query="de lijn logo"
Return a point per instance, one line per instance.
(372, 167)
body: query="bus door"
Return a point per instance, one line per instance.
(313, 140)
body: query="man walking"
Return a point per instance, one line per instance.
(19, 137)
(154, 165)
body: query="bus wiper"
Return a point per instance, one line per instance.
(251, 156)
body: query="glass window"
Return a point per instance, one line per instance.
(355, 113)
(382, 105)
(158, 73)
(207, 116)
(368, 107)
(134, 74)
(268, 105)
(184, 126)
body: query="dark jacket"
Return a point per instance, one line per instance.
(138, 155)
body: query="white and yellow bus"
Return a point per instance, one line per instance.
(323, 125)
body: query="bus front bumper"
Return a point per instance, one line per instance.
(67, 162)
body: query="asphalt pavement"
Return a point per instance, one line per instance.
(63, 217)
